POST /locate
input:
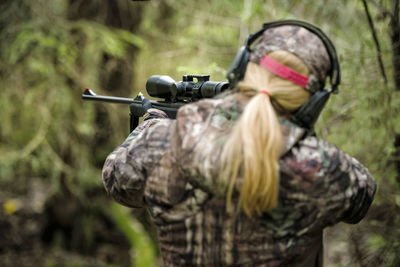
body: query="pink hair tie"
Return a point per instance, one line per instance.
(284, 71)
(265, 92)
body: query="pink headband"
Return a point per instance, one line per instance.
(283, 71)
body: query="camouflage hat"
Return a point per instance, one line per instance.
(301, 42)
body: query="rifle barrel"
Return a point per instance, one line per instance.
(88, 94)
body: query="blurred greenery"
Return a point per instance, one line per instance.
(53, 144)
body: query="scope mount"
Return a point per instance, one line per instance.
(199, 77)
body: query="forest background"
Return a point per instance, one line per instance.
(54, 210)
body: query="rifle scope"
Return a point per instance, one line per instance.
(162, 86)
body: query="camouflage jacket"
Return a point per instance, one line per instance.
(171, 167)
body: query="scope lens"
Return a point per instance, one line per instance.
(160, 86)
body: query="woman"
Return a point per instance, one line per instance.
(233, 181)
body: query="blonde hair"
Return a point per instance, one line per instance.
(250, 157)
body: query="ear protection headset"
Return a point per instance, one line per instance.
(309, 112)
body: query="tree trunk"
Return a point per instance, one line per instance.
(395, 37)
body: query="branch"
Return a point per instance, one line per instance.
(378, 48)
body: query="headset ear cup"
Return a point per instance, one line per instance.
(307, 115)
(238, 67)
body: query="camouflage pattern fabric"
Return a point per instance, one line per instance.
(171, 168)
(301, 42)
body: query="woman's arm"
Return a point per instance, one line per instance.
(126, 169)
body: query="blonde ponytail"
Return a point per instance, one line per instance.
(249, 161)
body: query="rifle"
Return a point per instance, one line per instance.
(173, 94)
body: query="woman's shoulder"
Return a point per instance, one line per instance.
(312, 160)
(208, 112)
(315, 151)
(318, 145)
(206, 106)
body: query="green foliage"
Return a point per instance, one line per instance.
(143, 247)
(47, 60)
